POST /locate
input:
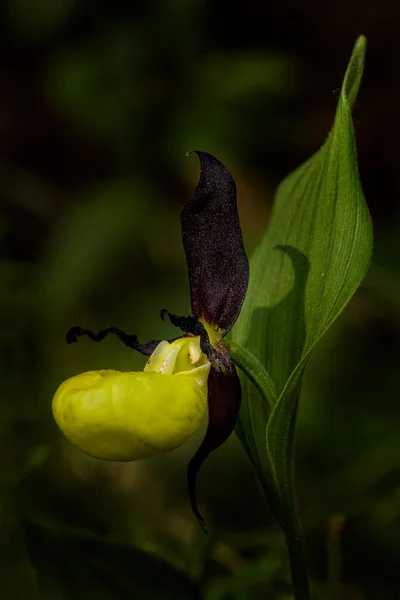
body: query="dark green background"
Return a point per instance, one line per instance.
(98, 103)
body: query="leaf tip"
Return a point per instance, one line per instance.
(354, 71)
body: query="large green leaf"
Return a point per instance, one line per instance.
(309, 264)
(78, 566)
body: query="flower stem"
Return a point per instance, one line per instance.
(289, 521)
(301, 588)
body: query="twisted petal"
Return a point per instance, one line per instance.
(217, 263)
(224, 395)
(129, 340)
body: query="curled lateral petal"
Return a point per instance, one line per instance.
(224, 395)
(129, 340)
(212, 239)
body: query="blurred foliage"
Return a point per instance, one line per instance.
(99, 102)
(75, 566)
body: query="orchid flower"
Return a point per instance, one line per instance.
(127, 416)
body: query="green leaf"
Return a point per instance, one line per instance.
(310, 262)
(78, 566)
(255, 371)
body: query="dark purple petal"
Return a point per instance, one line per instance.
(128, 339)
(217, 263)
(224, 395)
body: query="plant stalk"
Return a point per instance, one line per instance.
(298, 567)
(289, 521)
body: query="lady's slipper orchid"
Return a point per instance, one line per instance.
(127, 416)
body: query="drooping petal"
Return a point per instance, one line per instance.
(212, 239)
(224, 394)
